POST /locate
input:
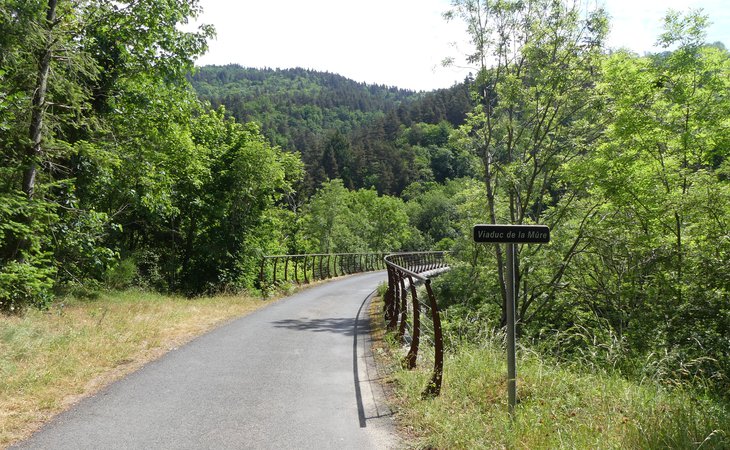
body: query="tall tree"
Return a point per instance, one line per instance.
(42, 63)
(65, 63)
(655, 270)
(537, 66)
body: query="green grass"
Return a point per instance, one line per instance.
(558, 408)
(50, 359)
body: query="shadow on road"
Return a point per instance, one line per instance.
(343, 325)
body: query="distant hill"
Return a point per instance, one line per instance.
(310, 112)
(290, 103)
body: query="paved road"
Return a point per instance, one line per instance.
(297, 374)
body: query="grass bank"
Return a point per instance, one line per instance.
(50, 359)
(558, 408)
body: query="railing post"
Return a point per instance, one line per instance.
(410, 265)
(261, 273)
(434, 387)
(296, 270)
(412, 356)
(403, 307)
(276, 261)
(391, 315)
(386, 300)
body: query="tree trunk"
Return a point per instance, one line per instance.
(34, 151)
(489, 179)
(38, 104)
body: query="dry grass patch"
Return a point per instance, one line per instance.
(49, 360)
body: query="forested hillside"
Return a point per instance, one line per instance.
(342, 129)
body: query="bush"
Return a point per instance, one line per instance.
(121, 275)
(23, 285)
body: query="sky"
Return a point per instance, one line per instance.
(395, 42)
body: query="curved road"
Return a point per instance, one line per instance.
(296, 374)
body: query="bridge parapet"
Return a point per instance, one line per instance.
(306, 268)
(405, 272)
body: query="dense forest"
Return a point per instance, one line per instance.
(341, 128)
(123, 165)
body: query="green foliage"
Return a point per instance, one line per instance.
(632, 181)
(112, 166)
(233, 221)
(337, 220)
(25, 284)
(26, 271)
(537, 112)
(291, 104)
(434, 209)
(121, 275)
(342, 129)
(653, 268)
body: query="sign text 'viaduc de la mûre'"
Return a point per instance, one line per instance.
(515, 234)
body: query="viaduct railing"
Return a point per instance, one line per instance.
(405, 272)
(298, 269)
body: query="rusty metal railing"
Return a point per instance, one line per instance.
(277, 269)
(405, 271)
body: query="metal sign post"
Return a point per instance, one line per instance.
(511, 235)
(511, 339)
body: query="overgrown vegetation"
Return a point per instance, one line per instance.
(559, 407)
(624, 158)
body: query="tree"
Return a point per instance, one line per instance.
(653, 269)
(230, 218)
(330, 221)
(537, 66)
(65, 66)
(337, 220)
(41, 61)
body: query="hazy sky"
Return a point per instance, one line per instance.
(393, 42)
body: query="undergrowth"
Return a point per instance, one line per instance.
(558, 407)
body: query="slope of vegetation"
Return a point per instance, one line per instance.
(342, 129)
(294, 105)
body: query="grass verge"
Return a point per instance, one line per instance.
(558, 407)
(51, 359)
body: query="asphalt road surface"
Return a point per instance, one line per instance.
(297, 374)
